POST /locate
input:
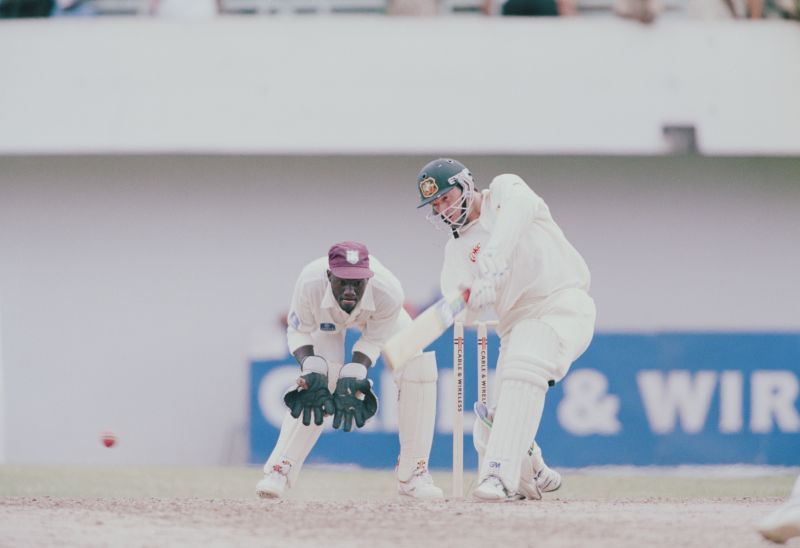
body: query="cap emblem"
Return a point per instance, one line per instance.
(428, 187)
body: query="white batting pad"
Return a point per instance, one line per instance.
(529, 353)
(527, 362)
(515, 424)
(416, 413)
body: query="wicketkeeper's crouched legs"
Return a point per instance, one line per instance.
(527, 364)
(295, 442)
(416, 423)
(416, 413)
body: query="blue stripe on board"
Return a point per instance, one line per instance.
(640, 399)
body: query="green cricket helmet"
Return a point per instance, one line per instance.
(439, 177)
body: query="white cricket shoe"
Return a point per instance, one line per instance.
(545, 481)
(274, 483)
(492, 489)
(529, 489)
(420, 486)
(533, 483)
(548, 480)
(783, 523)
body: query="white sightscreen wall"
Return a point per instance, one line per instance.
(2, 391)
(397, 85)
(132, 285)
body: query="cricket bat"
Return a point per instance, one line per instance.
(426, 328)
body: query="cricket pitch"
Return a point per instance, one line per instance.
(355, 508)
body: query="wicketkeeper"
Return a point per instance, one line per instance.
(350, 288)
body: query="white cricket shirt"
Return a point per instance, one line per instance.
(314, 309)
(516, 223)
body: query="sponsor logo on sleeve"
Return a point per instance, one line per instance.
(325, 326)
(293, 320)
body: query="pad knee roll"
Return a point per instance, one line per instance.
(528, 369)
(530, 353)
(421, 369)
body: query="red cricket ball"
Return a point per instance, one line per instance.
(108, 439)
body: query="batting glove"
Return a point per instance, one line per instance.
(482, 294)
(492, 267)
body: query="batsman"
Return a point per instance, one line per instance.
(350, 289)
(513, 257)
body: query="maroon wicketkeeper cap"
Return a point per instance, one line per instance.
(349, 261)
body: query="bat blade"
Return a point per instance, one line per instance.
(426, 328)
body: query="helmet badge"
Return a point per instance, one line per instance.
(428, 187)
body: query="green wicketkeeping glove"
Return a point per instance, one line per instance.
(353, 398)
(311, 395)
